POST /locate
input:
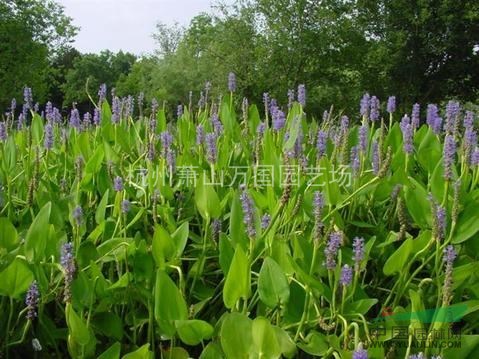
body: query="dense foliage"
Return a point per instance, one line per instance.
(224, 233)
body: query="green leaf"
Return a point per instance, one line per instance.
(94, 163)
(109, 324)
(162, 247)
(293, 133)
(467, 223)
(193, 332)
(180, 237)
(141, 353)
(288, 348)
(101, 209)
(396, 261)
(264, 338)
(237, 284)
(37, 235)
(8, 235)
(169, 303)
(236, 336)
(273, 287)
(78, 329)
(315, 344)
(37, 128)
(212, 351)
(237, 230)
(16, 278)
(207, 200)
(112, 352)
(361, 306)
(417, 203)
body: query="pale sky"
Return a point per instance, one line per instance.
(127, 24)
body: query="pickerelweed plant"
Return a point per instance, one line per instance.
(215, 231)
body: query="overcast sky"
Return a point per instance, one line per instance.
(127, 24)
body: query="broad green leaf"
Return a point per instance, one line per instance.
(78, 329)
(109, 324)
(212, 351)
(361, 306)
(193, 332)
(16, 278)
(180, 237)
(237, 230)
(37, 235)
(8, 235)
(207, 200)
(315, 344)
(286, 344)
(236, 336)
(273, 287)
(417, 204)
(396, 261)
(467, 223)
(94, 163)
(169, 303)
(101, 209)
(264, 338)
(237, 284)
(112, 352)
(141, 353)
(162, 247)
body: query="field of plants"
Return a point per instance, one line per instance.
(233, 230)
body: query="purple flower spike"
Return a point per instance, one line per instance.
(279, 120)
(449, 153)
(200, 135)
(374, 112)
(125, 206)
(302, 95)
(364, 105)
(48, 141)
(28, 97)
(265, 221)
(331, 250)
(475, 157)
(415, 115)
(346, 275)
(355, 161)
(118, 184)
(469, 120)
(232, 82)
(321, 143)
(96, 117)
(290, 98)
(179, 111)
(3, 132)
(211, 149)
(407, 135)
(450, 254)
(217, 125)
(248, 207)
(375, 159)
(358, 252)
(32, 299)
(102, 94)
(75, 119)
(391, 106)
(363, 138)
(432, 114)
(78, 215)
(68, 263)
(261, 128)
(360, 353)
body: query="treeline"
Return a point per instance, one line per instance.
(420, 51)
